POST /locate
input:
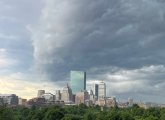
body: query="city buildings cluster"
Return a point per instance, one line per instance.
(73, 94)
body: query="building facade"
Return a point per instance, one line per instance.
(9, 99)
(66, 95)
(96, 90)
(77, 81)
(22, 101)
(81, 97)
(58, 95)
(101, 90)
(48, 97)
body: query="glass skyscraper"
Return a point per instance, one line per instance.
(77, 81)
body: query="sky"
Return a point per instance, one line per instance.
(118, 41)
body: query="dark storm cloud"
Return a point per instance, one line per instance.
(86, 34)
(119, 41)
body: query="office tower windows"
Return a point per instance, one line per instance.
(102, 90)
(77, 81)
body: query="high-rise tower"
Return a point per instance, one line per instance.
(96, 90)
(77, 81)
(102, 90)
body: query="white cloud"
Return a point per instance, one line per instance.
(146, 80)
(16, 84)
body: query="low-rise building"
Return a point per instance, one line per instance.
(22, 101)
(81, 97)
(39, 102)
(49, 98)
(9, 99)
(111, 102)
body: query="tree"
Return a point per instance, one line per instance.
(7, 114)
(71, 117)
(151, 118)
(90, 116)
(126, 116)
(54, 114)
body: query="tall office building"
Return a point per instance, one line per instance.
(77, 81)
(102, 90)
(96, 90)
(66, 95)
(58, 95)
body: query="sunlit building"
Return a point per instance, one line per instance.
(111, 102)
(66, 95)
(77, 81)
(81, 97)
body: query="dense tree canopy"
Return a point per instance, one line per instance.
(81, 112)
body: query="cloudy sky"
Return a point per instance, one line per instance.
(118, 41)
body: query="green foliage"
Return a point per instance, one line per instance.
(81, 112)
(90, 116)
(54, 114)
(71, 117)
(7, 114)
(114, 115)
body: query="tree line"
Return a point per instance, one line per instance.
(81, 112)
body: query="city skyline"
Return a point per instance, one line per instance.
(118, 41)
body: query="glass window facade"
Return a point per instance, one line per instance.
(77, 81)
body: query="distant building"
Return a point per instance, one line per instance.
(96, 90)
(39, 102)
(101, 102)
(40, 92)
(9, 99)
(77, 81)
(111, 102)
(58, 95)
(102, 90)
(48, 97)
(81, 97)
(66, 95)
(22, 101)
(91, 96)
(130, 102)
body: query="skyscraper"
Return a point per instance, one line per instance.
(96, 90)
(66, 94)
(58, 95)
(77, 81)
(102, 90)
